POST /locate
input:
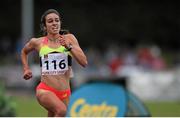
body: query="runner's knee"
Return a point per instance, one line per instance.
(60, 111)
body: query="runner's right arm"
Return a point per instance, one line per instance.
(29, 46)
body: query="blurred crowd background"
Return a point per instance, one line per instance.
(134, 40)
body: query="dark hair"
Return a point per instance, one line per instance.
(43, 22)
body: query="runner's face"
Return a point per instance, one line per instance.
(53, 23)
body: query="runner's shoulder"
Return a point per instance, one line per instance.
(36, 40)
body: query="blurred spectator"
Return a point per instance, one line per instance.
(150, 58)
(115, 64)
(158, 62)
(18, 48)
(129, 57)
(145, 57)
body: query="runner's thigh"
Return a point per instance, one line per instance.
(49, 100)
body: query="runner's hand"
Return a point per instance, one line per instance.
(27, 74)
(65, 43)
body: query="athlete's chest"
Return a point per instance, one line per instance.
(54, 63)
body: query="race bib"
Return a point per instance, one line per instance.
(54, 64)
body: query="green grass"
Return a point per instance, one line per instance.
(29, 107)
(164, 109)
